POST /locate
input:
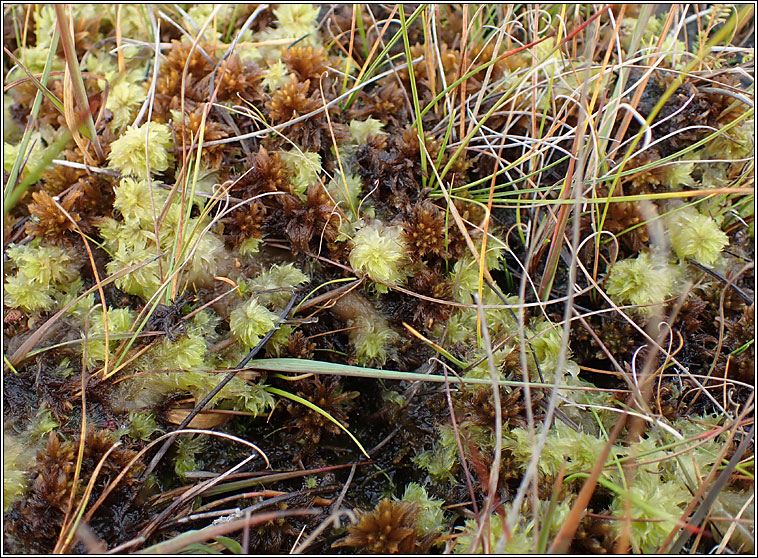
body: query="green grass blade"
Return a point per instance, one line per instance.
(11, 196)
(319, 410)
(414, 94)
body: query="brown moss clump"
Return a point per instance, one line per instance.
(168, 89)
(60, 178)
(428, 74)
(409, 146)
(96, 198)
(49, 115)
(594, 536)
(318, 220)
(649, 180)
(340, 25)
(622, 216)
(306, 62)
(479, 56)
(619, 337)
(267, 173)
(691, 314)
(240, 80)
(396, 172)
(327, 394)
(666, 401)
(51, 222)
(390, 528)
(269, 537)
(386, 103)
(470, 213)
(188, 131)
(458, 173)
(425, 230)
(696, 105)
(37, 520)
(299, 346)
(476, 406)
(736, 357)
(14, 322)
(743, 330)
(423, 72)
(430, 282)
(179, 53)
(246, 222)
(291, 100)
(86, 34)
(295, 99)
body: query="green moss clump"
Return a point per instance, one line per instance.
(736, 143)
(465, 275)
(185, 362)
(547, 347)
(304, 168)
(186, 353)
(120, 321)
(519, 542)
(345, 190)
(280, 279)
(180, 366)
(133, 242)
(43, 264)
(297, 21)
(185, 449)
(238, 394)
(34, 58)
(16, 459)
(143, 281)
(461, 327)
(209, 253)
(142, 425)
(128, 152)
(34, 151)
(361, 130)
(123, 100)
(432, 518)
(641, 281)
(680, 174)
(19, 454)
(42, 423)
(482, 370)
(441, 461)
(582, 450)
(250, 321)
(204, 324)
(134, 200)
(380, 251)
(696, 236)
(250, 246)
(21, 293)
(373, 342)
(521, 539)
(276, 76)
(650, 524)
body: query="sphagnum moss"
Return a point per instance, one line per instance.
(346, 211)
(380, 252)
(137, 146)
(696, 236)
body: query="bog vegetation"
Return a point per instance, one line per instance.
(378, 278)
